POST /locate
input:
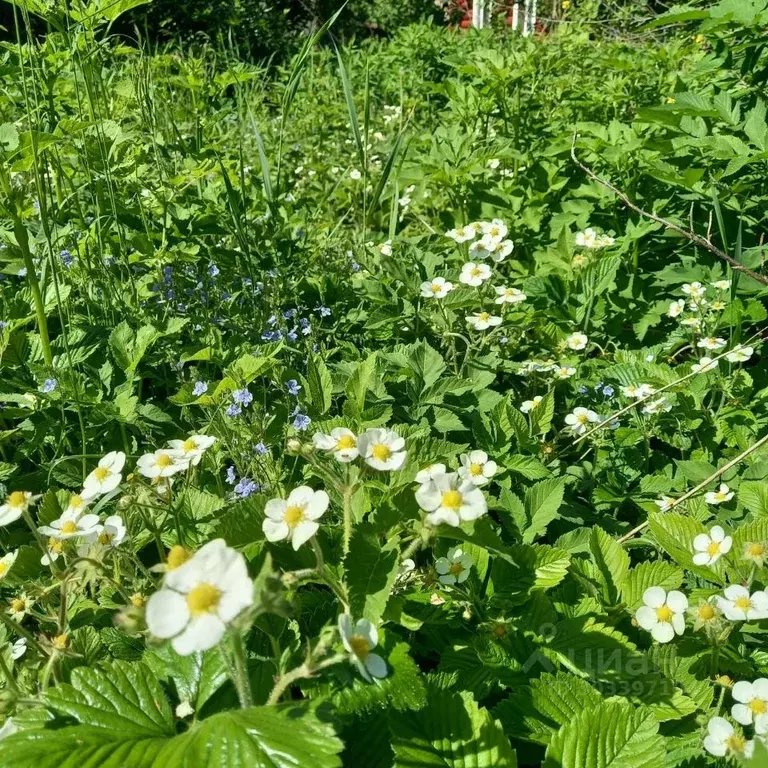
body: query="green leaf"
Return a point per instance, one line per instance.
(611, 735)
(753, 495)
(125, 720)
(426, 363)
(320, 384)
(541, 504)
(541, 415)
(359, 383)
(649, 574)
(371, 569)
(451, 731)
(612, 562)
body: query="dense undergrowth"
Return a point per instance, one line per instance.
(347, 418)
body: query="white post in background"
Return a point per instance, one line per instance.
(476, 15)
(515, 15)
(533, 16)
(526, 18)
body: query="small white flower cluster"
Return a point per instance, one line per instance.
(455, 497)
(178, 457)
(492, 242)
(750, 708)
(381, 449)
(590, 238)
(560, 372)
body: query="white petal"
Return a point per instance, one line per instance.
(375, 665)
(654, 597)
(303, 532)
(742, 691)
(760, 688)
(238, 597)
(726, 544)
(741, 713)
(677, 601)
(302, 496)
(443, 516)
(701, 542)
(735, 591)
(701, 558)
(663, 632)
(317, 505)
(275, 509)
(167, 613)
(717, 533)
(646, 617)
(202, 633)
(678, 623)
(720, 728)
(428, 496)
(345, 629)
(366, 629)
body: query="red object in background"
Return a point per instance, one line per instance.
(462, 10)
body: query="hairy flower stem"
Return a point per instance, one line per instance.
(8, 674)
(54, 565)
(305, 670)
(240, 678)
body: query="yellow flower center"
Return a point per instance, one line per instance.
(743, 603)
(189, 445)
(203, 599)
(381, 452)
(69, 527)
(177, 556)
(54, 546)
(345, 442)
(664, 613)
(3, 568)
(484, 316)
(582, 418)
(713, 548)
(456, 569)
(293, 516)
(758, 706)
(436, 288)
(452, 499)
(494, 231)
(76, 502)
(137, 600)
(102, 473)
(18, 605)
(105, 538)
(475, 469)
(164, 461)
(756, 550)
(735, 743)
(475, 271)
(706, 612)
(60, 642)
(360, 646)
(17, 499)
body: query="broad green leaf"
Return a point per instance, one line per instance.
(649, 574)
(320, 384)
(451, 731)
(612, 562)
(370, 573)
(541, 504)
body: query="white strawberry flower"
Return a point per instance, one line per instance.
(712, 343)
(454, 568)
(67, 527)
(451, 500)
(200, 598)
(106, 477)
(738, 605)
(18, 649)
(564, 372)
(76, 506)
(429, 472)
(691, 322)
(665, 503)
(722, 285)
(480, 321)
(488, 246)
(477, 468)
(359, 639)
(474, 274)
(382, 449)
(385, 248)
(577, 341)
(704, 365)
(163, 462)
(14, 507)
(463, 234)
(295, 518)
(193, 448)
(720, 496)
(694, 290)
(437, 288)
(739, 354)
(659, 405)
(109, 536)
(529, 405)
(341, 443)
(637, 391)
(587, 238)
(709, 547)
(752, 703)
(509, 295)
(496, 229)
(6, 563)
(722, 740)
(676, 308)
(580, 419)
(662, 613)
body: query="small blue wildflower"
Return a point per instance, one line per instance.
(67, 259)
(307, 329)
(304, 322)
(293, 387)
(22, 272)
(213, 270)
(289, 313)
(231, 475)
(322, 311)
(258, 288)
(583, 390)
(354, 266)
(315, 347)
(200, 388)
(242, 396)
(36, 205)
(503, 340)
(598, 386)
(233, 410)
(292, 335)
(109, 261)
(3, 325)
(272, 335)
(261, 449)
(609, 391)
(272, 321)
(181, 307)
(301, 422)
(171, 294)
(245, 488)
(49, 385)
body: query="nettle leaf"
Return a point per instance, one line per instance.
(541, 504)
(451, 731)
(528, 568)
(611, 735)
(320, 384)
(370, 573)
(426, 363)
(612, 562)
(125, 720)
(675, 533)
(656, 574)
(541, 416)
(753, 494)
